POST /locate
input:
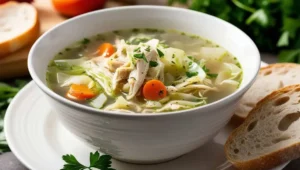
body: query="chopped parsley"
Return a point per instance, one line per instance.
(85, 41)
(140, 56)
(147, 49)
(153, 63)
(173, 55)
(212, 75)
(205, 69)
(137, 41)
(161, 54)
(137, 49)
(191, 74)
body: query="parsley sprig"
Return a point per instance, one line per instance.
(102, 162)
(141, 56)
(274, 25)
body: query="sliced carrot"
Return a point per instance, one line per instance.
(154, 90)
(106, 49)
(80, 92)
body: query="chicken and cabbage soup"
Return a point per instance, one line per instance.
(144, 71)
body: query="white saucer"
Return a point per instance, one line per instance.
(39, 140)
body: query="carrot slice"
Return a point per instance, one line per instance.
(106, 49)
(80, 92)
(154, 90)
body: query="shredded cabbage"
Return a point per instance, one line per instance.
(121, 103)
(80, 79)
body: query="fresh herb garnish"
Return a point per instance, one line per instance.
(147, 49)
(102, 162)
(274, 25)
(206, 70)
(212, 75)
(161, 54)
(137, 49)
(191, 74)
(191, 58)
(173, 55)
(137, 41)
(7, 92)
(140, 56)
(153, 63)
(85, 41)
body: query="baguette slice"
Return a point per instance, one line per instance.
(270, 78)
(19, 26)
(270, 135)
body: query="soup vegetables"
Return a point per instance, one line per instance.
(144, 74)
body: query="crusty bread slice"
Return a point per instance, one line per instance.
(270, 78)
(19, 26)
(270, 134)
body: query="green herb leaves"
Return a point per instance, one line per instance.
(210, 75)
(85, 41)
(7, 92)
(160, 53)
(102, 162)
(260, 16)
(140, 56)
(274, 25)
(191, 74)
(153, 63)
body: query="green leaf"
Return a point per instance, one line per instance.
(291, 26)
(137, 49)
(260, 17)
(94, 157)
(284, 39)
(243, 6)
(102, 162)
(153, 64)
(191, 74)
(72, 163)
(85, 41)
(289, 55)
(147, 49)
(140, 56)
(160, 53)
(206, 70)
(212, 75)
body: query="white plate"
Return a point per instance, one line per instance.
(39, 140)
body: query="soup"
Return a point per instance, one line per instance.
(144, 71)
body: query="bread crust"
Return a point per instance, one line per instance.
(272, 159)
(18, 41)
(238, 119)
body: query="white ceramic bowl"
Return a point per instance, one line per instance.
(144, 138)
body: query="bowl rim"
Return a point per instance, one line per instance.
(91, 110)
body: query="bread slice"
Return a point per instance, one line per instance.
(19, 26)
(270, 134)
(270, 78)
